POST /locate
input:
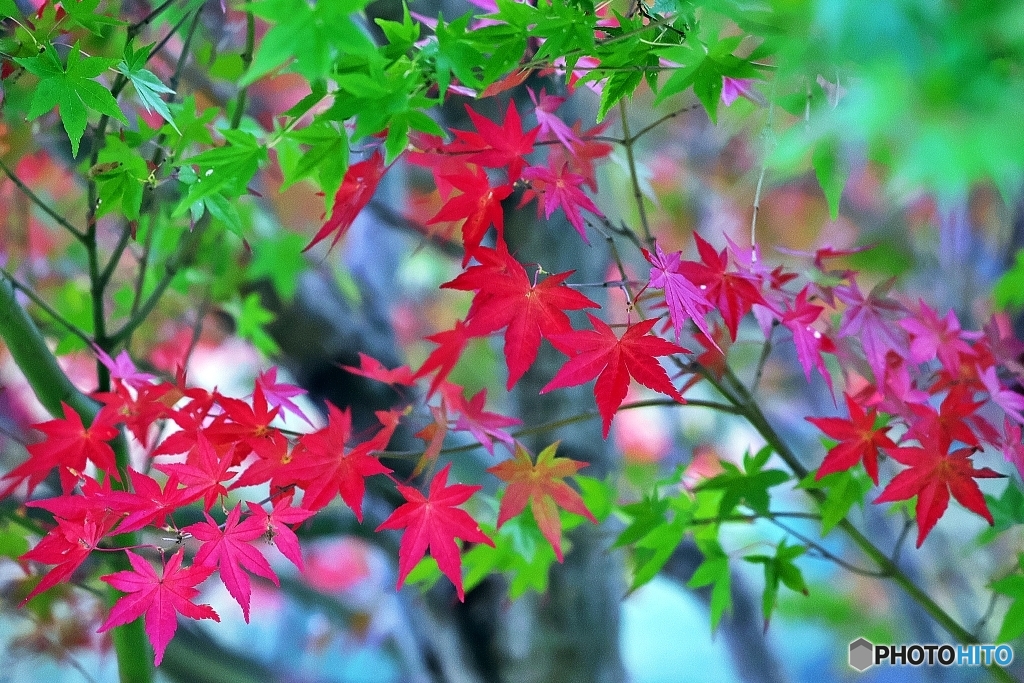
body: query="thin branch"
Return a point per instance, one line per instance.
(137, 27)
(565, 422)
(250, 44)
(60, 220)
(651, 126)
(52, 312)
(634, 178)
(827, 554)
(115, 256)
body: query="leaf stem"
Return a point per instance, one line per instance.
(250, 45)
(53, 313)
(60, 220)
(627, 142)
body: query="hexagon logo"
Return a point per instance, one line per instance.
(861, 654)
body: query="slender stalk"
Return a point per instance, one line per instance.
(628, 142)
(53, 388)
(887, 568)
(60, 220)
(53, 313)
(250, 44)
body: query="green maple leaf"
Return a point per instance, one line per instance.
(71, 89)
(147, 85)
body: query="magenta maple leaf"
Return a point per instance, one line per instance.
(872, 320)
(279, 395)
(122, 368)
(480, 423)
(159, 598)
(1010, 401)
(552, 125)
(231, 552)
(810, 342)
(560, 188)
(685, 300)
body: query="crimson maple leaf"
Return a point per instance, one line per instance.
(356, 190)
(599, 353)
(501, 146)
(560, 188)
(932, 475)
(444, 357)
(68, 545)
(858, 440)
(480, 206)
(159, 598)
(68, 446)
(204, 472)
(506, 297)
(685, 300)
(541, 485)
(372, 368)
(323, 468)
(230, 550)
(434, 522)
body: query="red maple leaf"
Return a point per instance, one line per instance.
(323, 468)
(230, 551)
(204, 472)
(444, 357)
(501, 146)
(159, 598)
(480, 206)
(373, 369)
(434, 522)
(686, 301)
(69, 445)
(506, 298)
(356, 190)
(541, 485)
(68, 545)
(599, 353)
(858, 440)
(932, 475)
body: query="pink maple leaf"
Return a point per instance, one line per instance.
(560, 188)
(230, 550)
(159, 598)
(685, 300)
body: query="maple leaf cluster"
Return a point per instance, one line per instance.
(223, 446)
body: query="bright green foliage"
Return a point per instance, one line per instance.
(1012, 586)
(1008, 291)
(221, 171)
(748, 486)
(843, 490)
(1007, 511)
(703, 69)
(520, 551)
(13, 541)
(324, 30)
(278, 258)
(72, 88)
(147, 85)
(251, 317)
(779, 568)
(714, 572)
(121, 175)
